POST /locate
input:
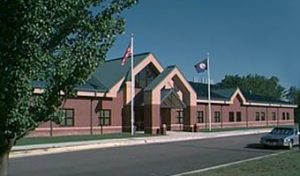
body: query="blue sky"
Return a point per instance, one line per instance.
(242, 36)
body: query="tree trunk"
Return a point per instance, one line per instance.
(5, 148)
(4, 163)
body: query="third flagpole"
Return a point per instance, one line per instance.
(132, 88)
(208, 91)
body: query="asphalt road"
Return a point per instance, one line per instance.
(143, 160)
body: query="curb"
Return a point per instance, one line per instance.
(34, 150)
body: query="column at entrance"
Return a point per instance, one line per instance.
(126, 115)
(152, 112)
(170, 89)
(189, 118)
(152, 118)
(165, 116)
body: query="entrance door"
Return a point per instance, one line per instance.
(139, 119)
(165, 116)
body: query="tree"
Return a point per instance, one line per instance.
(59, 42)
(293, 95)
(256, 84)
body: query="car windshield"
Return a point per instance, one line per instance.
(282, 131)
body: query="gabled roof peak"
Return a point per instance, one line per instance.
(135, 55)
(172, 66)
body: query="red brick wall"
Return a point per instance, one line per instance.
(175, 126)
(115, 105)
(248, 115)
(152, 118)
(82, 117)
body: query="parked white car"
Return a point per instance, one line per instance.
(281, 137)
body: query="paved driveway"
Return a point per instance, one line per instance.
(146, 160)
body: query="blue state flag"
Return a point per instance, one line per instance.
(201, 66)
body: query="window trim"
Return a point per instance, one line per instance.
(274, 116)
(65, 120)
(231, 118)
(283, 116)
(262, 116)
(238, 118)
(200, 117)
(102, 119)
(217, 116)
(179, 117)
(257, 116)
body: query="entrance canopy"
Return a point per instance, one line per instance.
(170, 99)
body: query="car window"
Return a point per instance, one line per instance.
(289, 132)
(282, 131)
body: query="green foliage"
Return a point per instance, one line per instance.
(61, 42)
(256, 84)
(293, 95)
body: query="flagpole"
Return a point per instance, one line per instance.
(132, 88)
(209, 97)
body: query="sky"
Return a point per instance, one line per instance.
(242, 36)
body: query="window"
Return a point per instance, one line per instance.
(263, 116)
(238, 116)
(273, 115)
(217, 116)
(287, 116)
(69, 117)
(146, 76)
(104, 117)
(180, 117)
(231, 116)
(257, 116)
(200, 117)
(283, 116)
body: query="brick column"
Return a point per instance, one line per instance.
(152, 118)
(126, 117)
(189, 118)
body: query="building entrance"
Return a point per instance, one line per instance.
(139, 119)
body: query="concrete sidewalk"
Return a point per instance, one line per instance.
(42, 149)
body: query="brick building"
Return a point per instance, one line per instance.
(162, 96)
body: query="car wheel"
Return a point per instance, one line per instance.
(290, 145)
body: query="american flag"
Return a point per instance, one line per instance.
(127, 54)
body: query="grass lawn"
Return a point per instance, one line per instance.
(58, 139)
(285, 164)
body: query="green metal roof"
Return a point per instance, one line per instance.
(261, 99)
(217, 93)
(93, 84)
(225, 94)
(90, 85)
(112, 71)
(159, 78)
(105, 76)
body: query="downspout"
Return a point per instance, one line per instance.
(51, 128)
(91, 117)
(221, 116)
(277, 116)
(247, 125)
(267, 115)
